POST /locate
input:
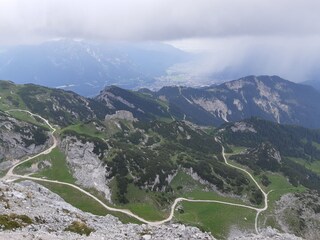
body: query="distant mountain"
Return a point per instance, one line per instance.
(86, 67)
(313, 83)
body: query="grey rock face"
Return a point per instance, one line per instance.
(19, 139)
(121, 114)
(85, 165)
(265, 234)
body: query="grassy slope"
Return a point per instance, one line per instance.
(213, 217)
(58, 170)
(314, 166)
(9, 98)
(216, 218)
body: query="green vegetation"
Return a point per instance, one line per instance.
(80, 228)
(184, 185)
(216, 218)
(89, 128)
(8, 96)
(289, 150)
(313, 166)
(55, 167)
(144, 203)
(26, 117)
(14, 221)
(279, 186)
(157, 149)
(291, 141)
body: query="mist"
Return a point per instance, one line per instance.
(231, 38)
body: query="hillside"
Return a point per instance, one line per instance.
(20, 138)
(272, 147)
(61, 107)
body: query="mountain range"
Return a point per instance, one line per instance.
(267, 97)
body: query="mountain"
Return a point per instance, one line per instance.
(268, 97)
(86, 67)
(59, 106)
(313, 83)
(271, 98)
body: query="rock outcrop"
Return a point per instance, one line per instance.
(85, 165)
(19, 139)
(299, 213)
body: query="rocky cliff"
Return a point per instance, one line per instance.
(19, 139)
(85, 165)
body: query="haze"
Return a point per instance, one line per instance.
(232, 38)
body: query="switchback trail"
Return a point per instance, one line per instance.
(10, 176)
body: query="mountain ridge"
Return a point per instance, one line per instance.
(268, 97)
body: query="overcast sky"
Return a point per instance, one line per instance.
(244, 36)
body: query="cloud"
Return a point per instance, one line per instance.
(156, 19)
(235, 37)
(294, 58)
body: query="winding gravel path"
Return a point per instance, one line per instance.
(265, 195)
(10, 176)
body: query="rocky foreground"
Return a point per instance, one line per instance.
(30, 211)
